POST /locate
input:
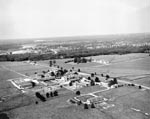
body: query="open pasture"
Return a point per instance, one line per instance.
(126, 98)
(25, 68)
(7, 74)
(120, 65)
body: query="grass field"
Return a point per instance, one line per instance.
(124, 99)
(90, 89)
(132, 67)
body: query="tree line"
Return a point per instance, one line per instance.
(74, 53)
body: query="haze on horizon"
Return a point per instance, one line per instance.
(56, 18)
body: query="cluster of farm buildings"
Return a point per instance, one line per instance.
(55, 79)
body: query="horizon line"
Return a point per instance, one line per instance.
(67, 36)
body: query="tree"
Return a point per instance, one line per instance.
(33, 84)
(92, 83)
(52, 73)
(92, 74)
(90, 60)
(70, 83)
(97, 79)
(132, 84)
(3, 116)
(92, 105)
(47, 95)
(44, 72)
(86, 106)
(78, 70)
(65, 71)
(107, 77)
(110, 83)
(79, 102)
(140, 87)
(89, 78)
(54, 62)
(75, 60)
(115, 81)
(102, 75)
(41, 97)
(42, 76)
(50, 63)
(76, 73)
(35, 72)
(78, 93)
(84, 60)
(55, 93)
(51, 94)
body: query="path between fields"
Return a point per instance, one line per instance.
(14, 71)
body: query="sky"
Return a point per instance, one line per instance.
(56, 18)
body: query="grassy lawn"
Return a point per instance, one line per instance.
(91, 89)
(85, 97)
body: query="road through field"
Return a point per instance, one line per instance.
(127, 82)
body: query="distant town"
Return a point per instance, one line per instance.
(117, 44)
